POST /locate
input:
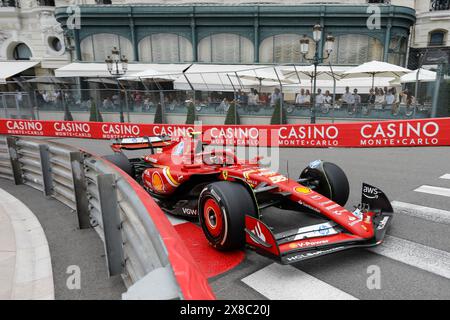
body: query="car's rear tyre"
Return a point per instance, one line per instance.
(120, 160)
(222, 209)
(329, 180)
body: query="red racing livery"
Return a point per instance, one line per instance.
(234, 200)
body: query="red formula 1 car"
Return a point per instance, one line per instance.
(231, 198)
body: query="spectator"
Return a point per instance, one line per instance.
(301, 98)
(107, 104)
(224, 105)
(347, 98)
(328, 99)
(137, 100)
(379, 98)
(19, 98)
(264, 99)
(116, 101)
(390, 98)
(253, 99)
(307, 97)
(320, 98)
(356, 97)
(356, 101)
(371, 98)
(275, 97)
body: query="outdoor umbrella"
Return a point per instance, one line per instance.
(376, 68)
(422, 75)
(307, 72)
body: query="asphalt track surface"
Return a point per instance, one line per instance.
(414, 262)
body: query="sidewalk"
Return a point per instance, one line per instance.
(25, 263)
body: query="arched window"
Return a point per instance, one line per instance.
(165, 47)
(437, 38)
(283, 48)
(225, 48)
(22, 52)
(98, 46)
(356, 49)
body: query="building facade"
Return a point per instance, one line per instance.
(29, 31)
(431, 41)
(240, 32)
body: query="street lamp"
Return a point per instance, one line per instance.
(317, 59)
(117, 66)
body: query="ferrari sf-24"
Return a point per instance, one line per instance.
(230, 198)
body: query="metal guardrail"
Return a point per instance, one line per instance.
(104, 200)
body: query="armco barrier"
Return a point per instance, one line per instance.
(140, 243)
(403, 133)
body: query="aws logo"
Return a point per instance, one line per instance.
(371, 192)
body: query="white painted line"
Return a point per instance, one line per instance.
(430, 214)
(434, 190)
(445, 176)
(279, 282)
(414, 254)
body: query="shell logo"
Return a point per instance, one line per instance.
(302, 190)
(157, 182)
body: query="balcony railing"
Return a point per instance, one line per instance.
(9, 3)
(439, 5)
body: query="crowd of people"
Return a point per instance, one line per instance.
(377, 98)
(141, 101)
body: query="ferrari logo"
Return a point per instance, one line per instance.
(225, 175)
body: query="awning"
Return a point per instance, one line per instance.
(11, 68)
(99, 70)
(217, 77)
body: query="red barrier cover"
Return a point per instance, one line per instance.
(403, 133)
(192, 282)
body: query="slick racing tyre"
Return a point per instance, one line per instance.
(329, 180)
(120, 160)
(222, 208)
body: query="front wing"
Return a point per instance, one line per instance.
(310, 242)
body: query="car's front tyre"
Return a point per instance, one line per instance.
(222, 209)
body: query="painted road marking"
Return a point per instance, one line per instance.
(414, 254)
(434, 190)
(281, 282)
(430, 214)
(445, 176)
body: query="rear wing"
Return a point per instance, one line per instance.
(141, 143)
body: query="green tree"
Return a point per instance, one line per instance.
(276, 115)
(232, 115)
(95, 113)
(191, 116)
(159, 114)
